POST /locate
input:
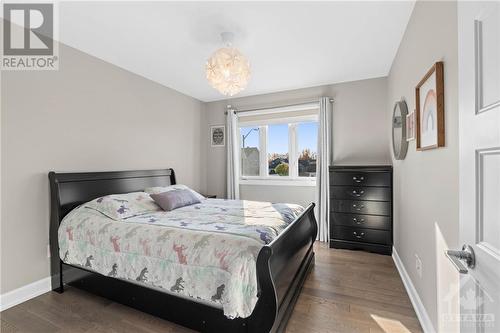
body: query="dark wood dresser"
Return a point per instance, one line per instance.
(361, 208)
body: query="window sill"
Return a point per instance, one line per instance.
(278, 182)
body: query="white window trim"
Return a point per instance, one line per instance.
(282, 181)
(273, 121)
(293, 179)
(292, 108)
(293, 167)
(263, 151)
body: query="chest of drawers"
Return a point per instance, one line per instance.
(361, 208)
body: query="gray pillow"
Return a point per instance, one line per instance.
(175, 199)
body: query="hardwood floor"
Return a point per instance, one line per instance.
(351, 291)
(347, 291)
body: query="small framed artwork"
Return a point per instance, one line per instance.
(429, 100)
(218, 135)
(410, 126)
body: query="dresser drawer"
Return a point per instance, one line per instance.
(361, 207)
(361, 193)
(361, 235)
(363, 221)
(361, 178)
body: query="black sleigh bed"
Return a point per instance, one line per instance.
(282, 265)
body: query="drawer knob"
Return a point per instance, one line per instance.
(360, 235)
(358, 208)
(358, 179)
(358, 194)
(360, 221)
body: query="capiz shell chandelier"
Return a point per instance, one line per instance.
(228, 70)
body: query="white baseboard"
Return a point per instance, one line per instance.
(422, 315)
(20, 295)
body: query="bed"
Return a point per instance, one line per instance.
(283, 253)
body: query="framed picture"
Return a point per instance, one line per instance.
(218, 135)
(429, 102)
(410, 126)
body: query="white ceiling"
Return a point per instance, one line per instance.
(289, 44)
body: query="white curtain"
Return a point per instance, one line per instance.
(233, 186)
(322, 174)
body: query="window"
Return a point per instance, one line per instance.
(279, 148)
(250, 152)
(307, 137)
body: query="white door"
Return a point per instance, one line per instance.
(479, 111)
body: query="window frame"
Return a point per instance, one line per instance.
(264, 178)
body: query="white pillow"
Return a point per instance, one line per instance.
(122, 206)
(161, 189)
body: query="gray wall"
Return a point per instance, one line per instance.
(302, 195)
(360, 128)
(88, 116)
(426, 183)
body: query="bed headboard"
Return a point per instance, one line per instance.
(69, 190)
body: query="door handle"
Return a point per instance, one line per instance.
(456, 258)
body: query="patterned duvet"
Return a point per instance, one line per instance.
(206, 251)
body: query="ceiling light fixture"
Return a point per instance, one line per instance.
(228, 70)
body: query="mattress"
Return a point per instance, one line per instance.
(206, 252)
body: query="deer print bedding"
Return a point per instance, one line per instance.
(207, 251)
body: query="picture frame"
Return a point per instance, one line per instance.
(410, 126)
(429, 101)
(218, 136)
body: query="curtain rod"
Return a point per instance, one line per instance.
(230, 107)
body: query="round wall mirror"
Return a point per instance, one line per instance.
(399, 143)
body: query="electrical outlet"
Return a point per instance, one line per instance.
(48, 250)
(418, 265)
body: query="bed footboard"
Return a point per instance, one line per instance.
(282, 267)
